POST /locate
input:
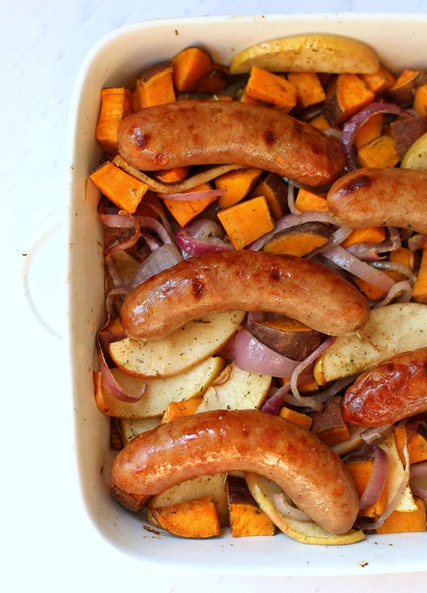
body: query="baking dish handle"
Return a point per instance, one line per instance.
(42, 277)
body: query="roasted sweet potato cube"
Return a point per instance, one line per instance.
(346, 95)
(116, 104)
(185, 210)
(379, 153)
(246, 221)
(118, 186)
(189, 66)
(194, 519)
(246, 518)
(275, 191)
(299, 240)
(182, 408)
(309, 89)
(287, 336)
(400, 522)
(405, 86)
(237, 185)
(297, 417)
(132, 502)
(154, 86)
(271, 88)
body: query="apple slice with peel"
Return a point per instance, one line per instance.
(195, 488)
(392, 329)
(181, 350)
(313, 52)
(416, 155)
(159, 391)
(307, 532)
(235, 389)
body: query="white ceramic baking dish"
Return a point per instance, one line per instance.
(115, 60)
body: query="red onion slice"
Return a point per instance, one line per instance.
(117, 221)
(345, 260)
(309, 401)
(151, 223)
(377, 479)
(273, 404)
(335, 239)
(115, 247)
(350, 128)
(418, 490)
(395, 497)
(202, 236)
(401, 292)
(284, 506)
(111, 384)
(254, 357)
(161, 259)
(419, 470)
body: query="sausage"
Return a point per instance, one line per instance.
(217, 441)
(247, 281)
(220, 132)
(380, 197)
(392, 390)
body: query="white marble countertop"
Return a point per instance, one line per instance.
(46, 543)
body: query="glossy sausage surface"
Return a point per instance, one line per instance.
(380, 197)
(247, 281)
(221, 132)
(391, 391)
(312, 475)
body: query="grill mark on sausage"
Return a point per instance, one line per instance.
(269, 137)
(160, 159)
(141, 139)
(198, 287)
(355, 184)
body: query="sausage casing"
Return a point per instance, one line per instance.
(221, 132)
(312, 475)
(380, 197)
(247, 281)
(392, 390)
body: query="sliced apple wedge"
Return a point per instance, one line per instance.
(315, 52)
(392, 329)
(416, 155)
(195, 488)
(178, 352)
(132, 427)
(307, 532)
(235, 389)
(159, 392)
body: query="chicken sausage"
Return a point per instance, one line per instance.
(392, 390)
(312, 475)
(380, 197)
(247, 281)
(221, 132)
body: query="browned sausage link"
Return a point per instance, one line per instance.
(220, 132)
(380, 197)
(391, 391)
(213, 442)
(247, 281)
